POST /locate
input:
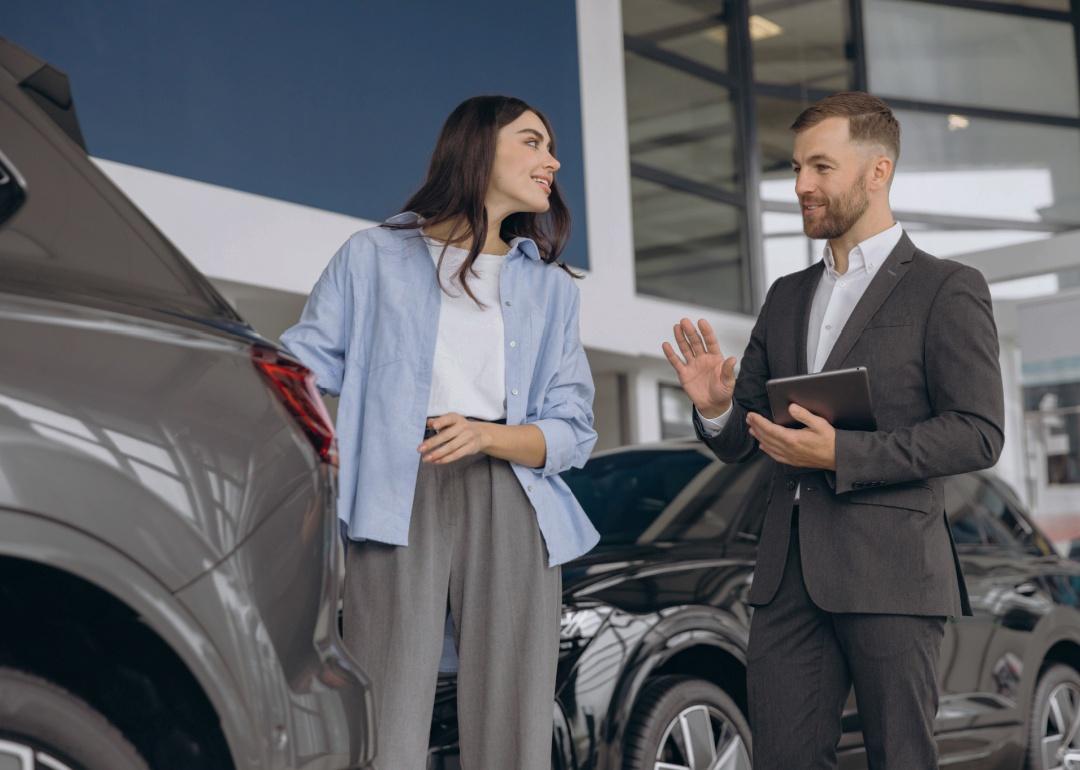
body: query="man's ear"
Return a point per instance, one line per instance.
(881, 172)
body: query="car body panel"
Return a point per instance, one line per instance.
(168, 444)
(273, 606)
(38, 539)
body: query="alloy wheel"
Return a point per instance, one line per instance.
(1060, 739)
(701, 738)
(19, 756)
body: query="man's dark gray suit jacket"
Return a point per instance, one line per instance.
(874, 534)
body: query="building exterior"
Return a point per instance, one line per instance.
(259, 136)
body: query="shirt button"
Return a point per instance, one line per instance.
(513, 391)
(528, 488)
(828, 326)
(513, 343)
(791, 485)
(507, 303)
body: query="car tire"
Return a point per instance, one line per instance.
(669, 709)
(1058, 688)
(42, 725)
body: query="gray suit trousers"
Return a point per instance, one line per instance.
(803, 661)
(475, 545)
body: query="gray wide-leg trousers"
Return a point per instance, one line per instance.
(474, 544)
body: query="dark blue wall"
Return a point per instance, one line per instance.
(331, 104)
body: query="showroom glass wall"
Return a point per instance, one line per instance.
(986, 92)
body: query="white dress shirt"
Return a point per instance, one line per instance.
(834, 300)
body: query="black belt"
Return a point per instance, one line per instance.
(429, 432)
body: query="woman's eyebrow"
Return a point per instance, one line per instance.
(535, 133)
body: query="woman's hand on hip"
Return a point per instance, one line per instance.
(457, 437)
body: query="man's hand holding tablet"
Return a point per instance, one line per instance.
(708, 379)
(813, 446)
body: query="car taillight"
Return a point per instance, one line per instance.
(295, 386)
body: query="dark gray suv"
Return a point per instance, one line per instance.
(169, 562)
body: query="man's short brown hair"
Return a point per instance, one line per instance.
(870, 120)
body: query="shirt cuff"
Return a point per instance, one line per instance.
(713, 425)
(559, 442)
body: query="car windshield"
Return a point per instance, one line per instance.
(665, 494)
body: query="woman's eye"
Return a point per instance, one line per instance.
(533, 142)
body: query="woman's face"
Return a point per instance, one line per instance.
(524, 169)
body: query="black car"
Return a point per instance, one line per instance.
(655, 625)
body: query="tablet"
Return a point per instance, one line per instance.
(841, 396)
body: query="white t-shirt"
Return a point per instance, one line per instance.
(469, 373)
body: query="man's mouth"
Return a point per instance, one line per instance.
(809, 208)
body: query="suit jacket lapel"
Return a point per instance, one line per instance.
(888, 275)
(802, 315)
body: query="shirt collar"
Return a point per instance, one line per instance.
(868, 255)
(404, 218)
(527, 246)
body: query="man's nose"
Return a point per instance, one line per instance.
(803, 184)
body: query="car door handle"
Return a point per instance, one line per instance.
(1026, 589)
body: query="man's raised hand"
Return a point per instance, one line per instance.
(705, 375)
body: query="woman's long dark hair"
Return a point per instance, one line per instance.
(458, 179)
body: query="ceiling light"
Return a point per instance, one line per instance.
(762, 29)
(717, 34)
(958, 122)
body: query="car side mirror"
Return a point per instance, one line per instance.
(12, 190)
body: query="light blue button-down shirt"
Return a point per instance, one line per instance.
(368, 333)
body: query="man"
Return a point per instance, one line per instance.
(856, 569)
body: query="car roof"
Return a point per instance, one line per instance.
(47, 86)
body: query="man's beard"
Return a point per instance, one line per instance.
(841, 214)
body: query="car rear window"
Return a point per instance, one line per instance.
(77, 236)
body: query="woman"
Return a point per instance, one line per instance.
(451, 334)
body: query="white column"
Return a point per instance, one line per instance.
(644, 406)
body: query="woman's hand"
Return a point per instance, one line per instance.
(457, 437)
(460, 437)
